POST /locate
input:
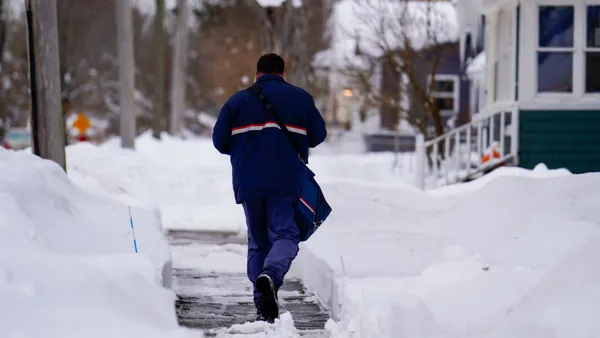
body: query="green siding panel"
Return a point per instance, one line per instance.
(560, 139)
(551, 115)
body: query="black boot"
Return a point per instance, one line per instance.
(268, 304)
(259, 316)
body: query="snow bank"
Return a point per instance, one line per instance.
(187, 181)
(504, 260)
(540, 171)
(190, 183)
(508, 255)
(282, 328)
(68, 267)
(352, 169)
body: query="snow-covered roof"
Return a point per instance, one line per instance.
(477, 64)
(375, 26)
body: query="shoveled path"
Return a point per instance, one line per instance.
(211, 299)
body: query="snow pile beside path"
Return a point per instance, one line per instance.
(497, 257)
(514, 258)
(540, 171)
(282, 328)
(356, 168)
(121, 174)
(187, 181)
(67, 263)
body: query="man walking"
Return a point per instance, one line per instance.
(268, 173)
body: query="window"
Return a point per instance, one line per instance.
(555, 49)
(592, 50)
(480, 43)
(445, 90)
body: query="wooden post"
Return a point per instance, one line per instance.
(420, 153)
(126, 73)
(47, 120)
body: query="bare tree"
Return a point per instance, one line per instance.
(399, 41)
(296, 32)
(225, 58)
(14, 82)
(308, 38)
(222, 55)
(2, 31)
(126, 73)
(180, 57)
(81, 24)
(159, 82)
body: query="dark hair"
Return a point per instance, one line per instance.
(270, 64)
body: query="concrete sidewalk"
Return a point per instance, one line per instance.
(213, 300)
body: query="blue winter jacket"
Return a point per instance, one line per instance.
(263, 160)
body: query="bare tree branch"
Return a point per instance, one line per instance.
(406, 39)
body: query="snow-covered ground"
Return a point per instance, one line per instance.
(184, 180)
(67, 263)
(510, 259)
(509, 255)
(190, 183)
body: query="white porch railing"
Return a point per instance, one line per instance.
(459, 154)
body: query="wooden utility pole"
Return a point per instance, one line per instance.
(159, 85)
(47, 120)
(180, 57)
(126, 73)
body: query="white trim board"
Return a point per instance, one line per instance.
(491, 6)
(583, 104)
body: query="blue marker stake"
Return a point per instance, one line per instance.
(132, 230)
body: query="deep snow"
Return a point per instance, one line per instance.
(183, 180)
(493, 262)
(509, 255)
(68, 267)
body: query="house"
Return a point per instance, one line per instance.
(371, 93)
(450, 86)
(542, 62)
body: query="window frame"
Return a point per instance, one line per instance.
(538, 49)
(587, 49)
(579, 93)
(454, 95)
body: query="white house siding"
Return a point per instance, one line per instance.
(476, 71)
(501, 53)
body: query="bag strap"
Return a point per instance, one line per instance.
(256, 90)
